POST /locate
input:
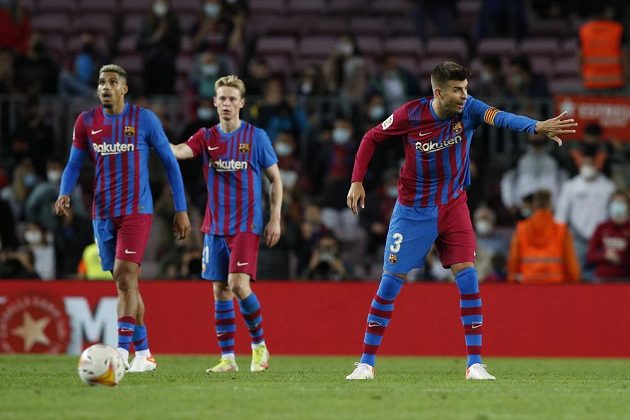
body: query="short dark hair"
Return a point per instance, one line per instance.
(448, 70)
(541, 199)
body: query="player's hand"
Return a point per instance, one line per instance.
(62, 205)
(555, 126)
(356, 197)
(272, 232)
(181, 225)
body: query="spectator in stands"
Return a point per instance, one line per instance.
(345, 71)
(535, 170)
(609, 247)
(378, 210)
(24, 180)
(219, 29)
(34, 137)
(257, 75)
(71, 237)
(289, 165)
(620, 163)
(15, 26)
(17, 264)
(276, 112)
(79, 79)
(38, 206)
(326, 262)
(35, 72)
(311, 230)
(89, 268)
(522, 82)
(433, 18)
(490, 243)
(582, 206)
(542, 249)
(40, 243)
(159, 44)
(498, 18)
(207, 69)
(394, 82)
(491, 82)
(6, 72)
(309, 82)
(592, 145)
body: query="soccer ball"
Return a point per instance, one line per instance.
(100, 364)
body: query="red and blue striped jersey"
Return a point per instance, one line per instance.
(233, 165)
(437, 161)
(120, 145)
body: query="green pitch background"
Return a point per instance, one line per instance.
(39, 387)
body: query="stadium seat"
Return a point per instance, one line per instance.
(278, 45)
(132, 23)
(537, 27)
(541, 65)
(93, 23)
(567, 67)
(57, 6)
(56, 43)
(51, 22)
(428, 64)
(453, 47)
(404, 46)
(187, 21)
(539, 46)
(136, 6)
(91, 6)
(390, 7)
(127, 44)
(332, 26)
(184, 63)
(74, 43)
(310, 7)
(468, 8)
(566, 85)
(368, 26)
(370, 45)
(496, 46)
(279, 64)
(316, 46)
(570, 47)
(186, 6)
(267, 6)
(345, 7)
(132, 63)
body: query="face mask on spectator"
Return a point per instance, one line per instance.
(618, 211)
(209, 69)
(283, 149)
(160, 8)
(341, 135)
(33, 237)
(483, 227)
(485, 76)
(306, 88)
(588, 171)
(30, 180)
(376, 112)
(204, 113)
(53, 175)
(392, 191)
(345, 48)
(212, 9)
(289, 179)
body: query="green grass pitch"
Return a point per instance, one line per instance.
(40, 387)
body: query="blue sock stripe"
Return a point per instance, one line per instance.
(382, 307)
(249, 304)
(373, 318)
(126, 325)
(467, 281)
(125, 339)
(389, 287)
(139, 333)
(226, 328)
(370, 359)
(372, 339)
(253, 322)
(470, 303)
(223, 305)
(258, 333)
(472, 359)
(225, 315)
(473, 340)
(224, 343)
(472, 319)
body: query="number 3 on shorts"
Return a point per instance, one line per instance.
(398, 238)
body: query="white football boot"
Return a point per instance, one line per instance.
(124, 355)
(478, 371)
(361, 371)
(143, 364)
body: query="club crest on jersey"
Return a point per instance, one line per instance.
(393, 258)
(457, 127)
(385, 124)
(130, 130)
(243, 147)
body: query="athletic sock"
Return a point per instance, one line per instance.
(250, 308)
(379, 316)
(141, 341)
(470, 305)
(126, 328)
(225, 325)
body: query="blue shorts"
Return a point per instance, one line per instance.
(412, 231)
(222, 255)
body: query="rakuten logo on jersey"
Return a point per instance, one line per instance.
(431, 146)
(112, 149)
(231, 165)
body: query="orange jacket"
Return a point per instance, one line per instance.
(542, 252)
(601, 54)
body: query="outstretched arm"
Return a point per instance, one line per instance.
(272, 230)
(182, 151)
(555, 126)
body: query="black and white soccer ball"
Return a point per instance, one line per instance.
(100, 364)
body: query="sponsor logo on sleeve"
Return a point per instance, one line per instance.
(385, 124)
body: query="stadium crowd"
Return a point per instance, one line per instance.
(315, 110)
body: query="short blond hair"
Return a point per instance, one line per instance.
(113, 68)
(231, 81)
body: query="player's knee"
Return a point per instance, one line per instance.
(240, 289)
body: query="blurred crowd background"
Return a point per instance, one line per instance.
(319, 73)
